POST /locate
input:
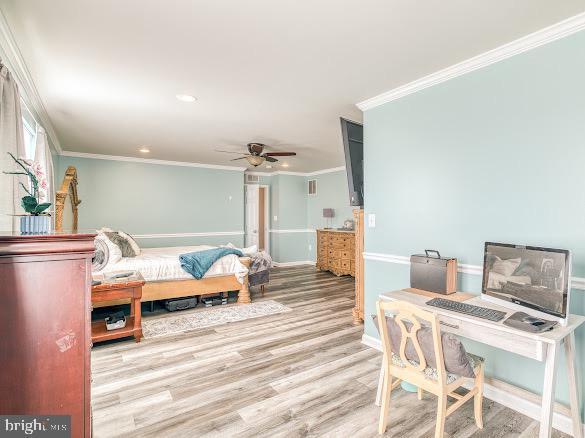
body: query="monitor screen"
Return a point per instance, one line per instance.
(533, 277)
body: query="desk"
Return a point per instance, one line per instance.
(542, 347)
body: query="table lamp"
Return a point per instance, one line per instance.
(328, 213)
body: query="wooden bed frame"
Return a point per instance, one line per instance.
(154, 290)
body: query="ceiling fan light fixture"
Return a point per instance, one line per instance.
(255, 160)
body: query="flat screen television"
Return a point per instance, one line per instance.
(528, 278)
(353, 145)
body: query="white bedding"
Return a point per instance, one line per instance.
(156, 264)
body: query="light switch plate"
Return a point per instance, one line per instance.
(371, 220)
(275, 218)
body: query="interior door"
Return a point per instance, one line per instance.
(252, 203)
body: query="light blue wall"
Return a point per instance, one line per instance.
(332, 192)
(145, 198)
(494, 155)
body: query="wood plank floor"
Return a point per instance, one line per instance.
(301, 373)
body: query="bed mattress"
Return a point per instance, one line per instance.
(160, 264)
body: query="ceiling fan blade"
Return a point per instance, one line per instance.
(280, 154)
(270, 159)
(229, 152)
(236, 159)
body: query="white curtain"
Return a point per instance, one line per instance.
(43, 156)
(11, 140)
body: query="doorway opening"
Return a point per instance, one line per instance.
(257, 216)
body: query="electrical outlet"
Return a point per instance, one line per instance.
(275, 218)
(371, 220)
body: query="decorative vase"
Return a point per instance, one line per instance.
(40, 224)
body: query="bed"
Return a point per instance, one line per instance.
(166, 279)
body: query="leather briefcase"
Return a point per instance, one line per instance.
(433, 273)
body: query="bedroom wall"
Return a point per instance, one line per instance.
(494, 155)
(142, 198)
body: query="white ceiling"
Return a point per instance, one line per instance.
(280, 72)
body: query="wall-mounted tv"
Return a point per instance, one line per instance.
(353, 145)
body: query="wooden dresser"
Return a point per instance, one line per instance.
(45, 284)
(336, 251)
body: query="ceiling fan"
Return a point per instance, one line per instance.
(255, 156)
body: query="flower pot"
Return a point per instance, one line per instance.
(35, 224)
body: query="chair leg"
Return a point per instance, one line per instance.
(441, 415)
(386, 392)
(419, 393)
(478, 398)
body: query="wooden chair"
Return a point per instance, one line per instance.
(436, 381)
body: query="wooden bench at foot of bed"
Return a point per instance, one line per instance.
(166, 289)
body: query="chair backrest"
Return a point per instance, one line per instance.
(407, 314)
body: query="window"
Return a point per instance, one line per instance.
(30, 132)
(312, 187)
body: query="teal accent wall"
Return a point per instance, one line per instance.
(495, 155)
(142, 198)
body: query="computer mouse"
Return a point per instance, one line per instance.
(532, 320)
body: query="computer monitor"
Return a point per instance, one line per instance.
(528, 278)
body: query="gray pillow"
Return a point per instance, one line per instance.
(456, 361)
(120, 242)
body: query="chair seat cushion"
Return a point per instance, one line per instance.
(431, 373)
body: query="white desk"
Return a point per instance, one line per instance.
(542, 347)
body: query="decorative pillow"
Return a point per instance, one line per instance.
(114, 250)
(101, 257)
(456, 360)
(505, 267)
(123, 244)
(131, 241)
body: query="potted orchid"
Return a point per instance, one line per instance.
(37, 219)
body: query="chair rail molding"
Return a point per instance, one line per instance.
(294, 230)
(531, 41)
(576, 282)
(203, 234)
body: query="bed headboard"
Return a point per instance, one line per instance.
(66, 202)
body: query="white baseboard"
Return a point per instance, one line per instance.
(287, 264)
(510, 399)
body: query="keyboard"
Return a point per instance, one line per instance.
(468, 309)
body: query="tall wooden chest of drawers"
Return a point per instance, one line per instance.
(336, 251)
(45, 341)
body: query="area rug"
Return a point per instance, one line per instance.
(202, 318)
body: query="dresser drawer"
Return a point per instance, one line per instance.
(346, 254)
(334, 264)
(334, 254)
(345, 265)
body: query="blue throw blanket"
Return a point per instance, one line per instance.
(198, 263)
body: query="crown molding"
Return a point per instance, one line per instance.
(284, 172)
(576, 282)
(149, 161)
(15, 62)
(531, 41)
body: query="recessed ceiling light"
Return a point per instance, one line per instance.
(144, 150)
(186, 98)
(284, 164)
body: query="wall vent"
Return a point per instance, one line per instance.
(312, 187)
(252, 179)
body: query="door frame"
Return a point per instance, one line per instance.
(266, 217)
